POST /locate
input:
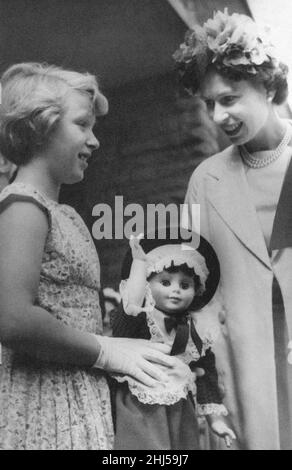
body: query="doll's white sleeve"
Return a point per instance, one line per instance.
(208, 327)
(132, 309)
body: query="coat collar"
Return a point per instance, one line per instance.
(230, 196)
(282, 228)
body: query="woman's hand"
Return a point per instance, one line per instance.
(135, 357)
(137, 250)
(219, 427)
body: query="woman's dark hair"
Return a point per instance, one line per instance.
(273, 76)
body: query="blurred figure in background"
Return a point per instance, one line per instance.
(110, 300)
(7, 170)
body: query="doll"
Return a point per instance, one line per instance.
(157, 300)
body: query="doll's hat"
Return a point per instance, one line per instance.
(171, 255)
(167, 251)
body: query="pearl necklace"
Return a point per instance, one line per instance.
(257, 161)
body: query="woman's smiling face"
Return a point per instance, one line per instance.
(240, 108)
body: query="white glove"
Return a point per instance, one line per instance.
(134, 357)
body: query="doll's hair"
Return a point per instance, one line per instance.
(33, 103)
(184, 268)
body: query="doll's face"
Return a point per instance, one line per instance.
(172, 292)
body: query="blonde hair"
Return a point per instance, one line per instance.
(33, 102)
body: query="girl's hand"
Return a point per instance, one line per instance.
(137, 250)
(220, 428)
(135, 357)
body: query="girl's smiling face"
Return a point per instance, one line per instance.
(71, 144)
(240, 108)
(173, 292)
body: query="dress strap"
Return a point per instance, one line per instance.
(183, 329)
(182, 333)
(18, 192)
(196, 338)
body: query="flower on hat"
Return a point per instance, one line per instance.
(195, 44)
(234, 41)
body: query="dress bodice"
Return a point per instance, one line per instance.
(57, 406)
(70, 271)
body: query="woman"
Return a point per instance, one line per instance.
(245, 206)
(53, 393)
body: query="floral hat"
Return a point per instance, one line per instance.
(229, 42)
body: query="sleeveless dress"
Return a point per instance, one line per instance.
(46, 406)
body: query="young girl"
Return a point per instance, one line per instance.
(53, 390)
(158, 296)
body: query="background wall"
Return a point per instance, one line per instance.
(154, 135)
(151, 141)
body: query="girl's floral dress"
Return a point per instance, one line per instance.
(46, 405)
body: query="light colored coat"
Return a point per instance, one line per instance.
(245, 348)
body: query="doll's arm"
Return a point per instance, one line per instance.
(208, 393)
(221, 428)
(209, 398)
(136, 284)
(132, 323)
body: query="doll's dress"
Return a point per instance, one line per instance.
(46, 406)
(163, 417)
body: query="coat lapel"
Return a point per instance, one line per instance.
(282, 228)
(229, 194)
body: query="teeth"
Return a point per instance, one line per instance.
(232, 128)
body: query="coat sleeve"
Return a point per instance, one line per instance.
(195, 211)
(188, 220)
(209, 398)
